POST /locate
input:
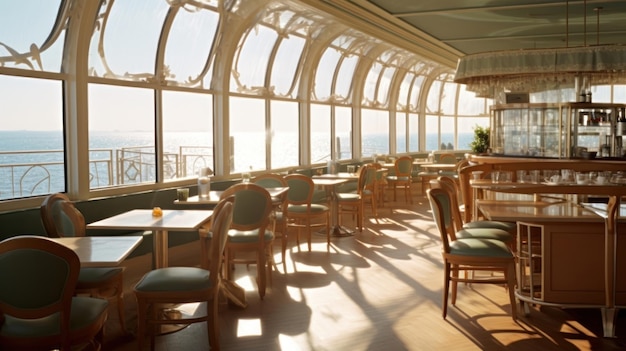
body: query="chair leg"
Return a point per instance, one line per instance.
(510, 277)
(212, 322)
(261, 273)
(284, 249)
(446, 288)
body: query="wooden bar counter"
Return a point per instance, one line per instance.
(568, 255)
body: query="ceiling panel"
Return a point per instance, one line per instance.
(478, 26)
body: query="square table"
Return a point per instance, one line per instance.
(214, 197)
(329, 182)
(178, 220)
(101, 251)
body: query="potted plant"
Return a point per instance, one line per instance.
(480, 144)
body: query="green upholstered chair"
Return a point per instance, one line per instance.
(470, 254)
(180, 285)
(452, 187)
(279, 213)
(61, 218)
(301, 212)
(353, 202)
(38, 309)
(402, 177)
(250, 231)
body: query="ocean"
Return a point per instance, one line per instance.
(37, 166)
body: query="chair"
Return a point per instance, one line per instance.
(452, 187)
(62, 219)
(37, 302)
(249, 231)
(381, 183)
(402, 177)
(454, 222)
(300, 211)
(353, 202)
(180, 285)
(470, 254)
(279, 214)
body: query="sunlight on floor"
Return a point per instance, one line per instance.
(249, 327)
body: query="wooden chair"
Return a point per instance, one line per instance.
(38, 309)
(180, 285)
(301, 213)
(452, 187)
(470, 254)
(353, 202)
(249, 231)
(279, 213)
(454, 224)
(381, 184)
(402, 177)
(62, 219)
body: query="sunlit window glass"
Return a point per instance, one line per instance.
(447, 133)
(187, 134)
(247, 133)
(31, 137)
(413, 132)
(121, 136)
(320, 133)
(401, 144)
(343, 132)
(284, 135)
(374, 132)
(432, 133)
(26, 28)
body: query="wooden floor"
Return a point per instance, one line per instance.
(377, 290)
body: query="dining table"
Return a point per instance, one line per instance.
(100, 251)
(436, 167)
(329, 182)
(215, 195)
(143, 219)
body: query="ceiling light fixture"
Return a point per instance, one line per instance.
(492, 74)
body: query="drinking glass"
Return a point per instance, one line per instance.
(182, 194)
(351, 169)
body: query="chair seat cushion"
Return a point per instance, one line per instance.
(348, 197)
(248, 236)
(510, 227)
(485, 233)
(85, 311)
(175, 279)
(315, 208)
(97, 274)
(480, 247)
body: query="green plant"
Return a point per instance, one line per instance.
(480, 144)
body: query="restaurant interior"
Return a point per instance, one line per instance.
(312, 175)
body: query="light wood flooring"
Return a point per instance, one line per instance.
(377, 290)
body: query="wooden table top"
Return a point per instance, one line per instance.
(439, 166)
(214, 196)
(101, 251)
(179, 220)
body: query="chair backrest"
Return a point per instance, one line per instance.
(439, 202)
(448, 184)
(61, 218)
(44, 283)
(223, 217)
(300, 189)
(404, 166)
(447, 158)
(252, 206)
(270, 180)
(370, 177)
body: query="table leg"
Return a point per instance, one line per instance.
(159, 249)
(335, 228)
